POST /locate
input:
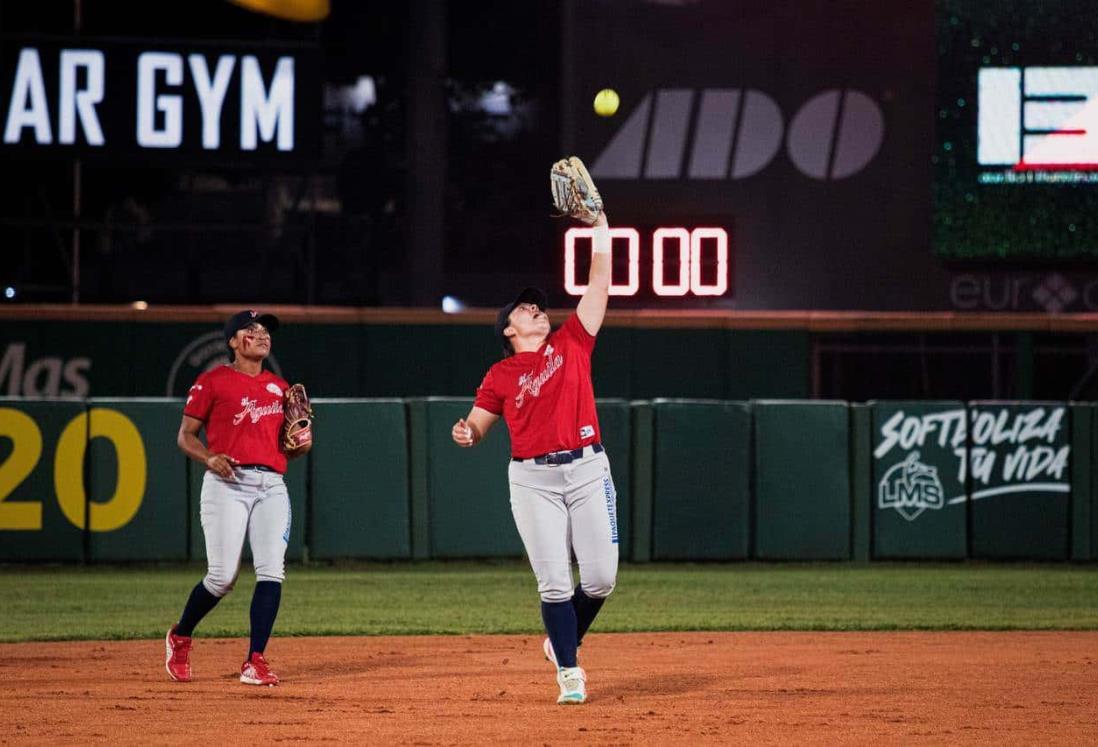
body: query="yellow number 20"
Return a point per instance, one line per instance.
(68, 469)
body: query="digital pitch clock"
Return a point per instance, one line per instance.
(680, 261)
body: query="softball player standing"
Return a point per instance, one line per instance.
(240, 406)
(562, 494)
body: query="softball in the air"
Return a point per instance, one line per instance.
(606, 102)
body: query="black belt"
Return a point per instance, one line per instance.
(255, 467)
(555, 458)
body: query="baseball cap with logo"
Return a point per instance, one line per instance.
(241, 319)
(526, 295)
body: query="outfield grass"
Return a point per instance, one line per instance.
(56, 603)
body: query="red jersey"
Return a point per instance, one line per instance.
(546, 398)
(242, 413)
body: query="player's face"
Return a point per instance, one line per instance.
(529, 319)
(254, 341)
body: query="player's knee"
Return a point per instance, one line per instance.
(598, 587)
(218, 584)
(270, 572)
(556, 592)
(554, 581)
(555, 597)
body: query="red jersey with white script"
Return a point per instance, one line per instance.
(546, 398)
(242, 413)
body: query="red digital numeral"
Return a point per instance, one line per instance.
(630, 234)
(721, 285)
(679, 237)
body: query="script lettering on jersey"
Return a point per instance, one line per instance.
(253, 412)
(533, 384)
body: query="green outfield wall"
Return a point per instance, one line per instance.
(364, 511)
(701, 475)
(802, 480)
(162, 359)
(101, 480)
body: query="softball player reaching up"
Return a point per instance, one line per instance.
(241, 407)
(562, 493)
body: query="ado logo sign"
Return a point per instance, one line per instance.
(735, 133)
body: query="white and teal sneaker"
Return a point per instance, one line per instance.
(573, 685)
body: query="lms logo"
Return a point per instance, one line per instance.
(911, 487)
(1038, 118)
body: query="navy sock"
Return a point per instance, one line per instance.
(265, 602)
(586, 608)
(560, 624)
(198, 606)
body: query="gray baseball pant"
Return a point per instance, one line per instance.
(565, 508)
(255, 503)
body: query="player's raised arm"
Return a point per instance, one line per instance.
(470, 430)
(575, 195)
(592, 306)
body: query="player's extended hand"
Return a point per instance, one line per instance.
(221, 465)
(463, 433)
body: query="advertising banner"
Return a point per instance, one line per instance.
(141, 99)
(919, 486)
(1020, 479)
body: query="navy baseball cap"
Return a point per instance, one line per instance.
(526, 295)
(242, 319)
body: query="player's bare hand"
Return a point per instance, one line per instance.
(221, 465)
(462, 433)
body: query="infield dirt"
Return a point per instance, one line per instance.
(668, 688)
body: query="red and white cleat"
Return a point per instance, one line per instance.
(256, 671)
(177, 656)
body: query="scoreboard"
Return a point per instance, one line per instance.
(1016, 152)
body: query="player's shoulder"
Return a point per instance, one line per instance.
(506, 364)
(269, 377)
(572, 327)
(217, 373)
(498, 371)
(272, 376)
